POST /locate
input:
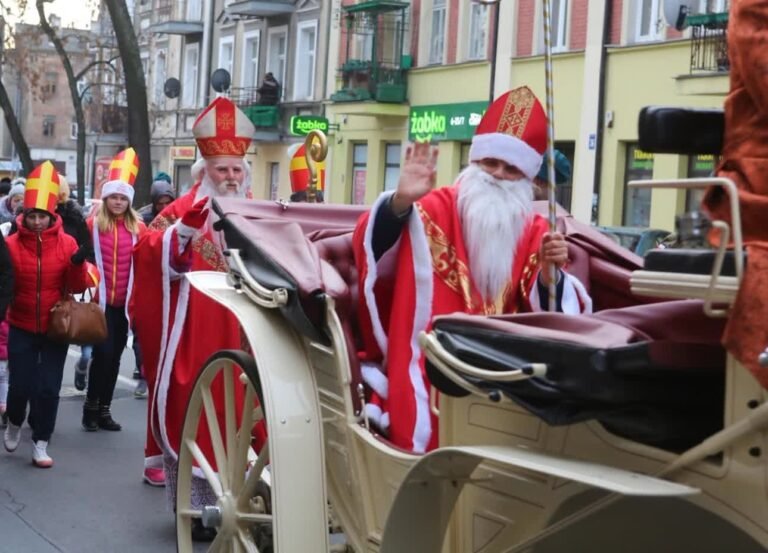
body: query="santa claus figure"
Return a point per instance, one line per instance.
(174, 321)
(475, 247)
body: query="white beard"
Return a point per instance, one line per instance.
(208, 189)
(494, 214)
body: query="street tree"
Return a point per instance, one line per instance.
(136, 93)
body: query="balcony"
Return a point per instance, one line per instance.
(260, 8)
(262, 114)
(375, 66)
(709, 44)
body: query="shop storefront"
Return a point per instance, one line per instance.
(637, 201)
(699, 167)
(182, 158)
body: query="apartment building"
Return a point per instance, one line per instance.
(189, 40)
(611, 58)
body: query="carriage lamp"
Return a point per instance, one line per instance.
(692, 230)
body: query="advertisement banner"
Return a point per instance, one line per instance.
(443, 122)
(100, 172)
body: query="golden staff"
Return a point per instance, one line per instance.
(550, 142)
(315, 151)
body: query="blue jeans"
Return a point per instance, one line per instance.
(36, 380)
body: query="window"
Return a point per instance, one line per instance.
(391, 166)
(713, 6)
(478, 31)
(699, 167)
(49, 125)
(194, 10)
(274, 180)
(160, 75)
(647, 20)
(226, 53)
(278, 46)
(304, 79)
(437, 44)
(637, 201)
(359, 168)
(250, 73)
(49, 85)
(189, 87)
(559, 25)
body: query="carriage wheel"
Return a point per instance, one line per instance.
(226, 397)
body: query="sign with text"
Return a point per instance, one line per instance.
(183, 152)
(100, 172)
(302, 125)
(443, 122)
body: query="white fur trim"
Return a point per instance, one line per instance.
(423, 280)
(99, 265)
(170, 341)
(375, 378)
(117, 187)
(575, 300)
(373, 413)
(506, 148)
(154, 462)
(373, 274)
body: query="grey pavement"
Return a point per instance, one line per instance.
(93, 499)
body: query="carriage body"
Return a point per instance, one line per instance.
(502, 475)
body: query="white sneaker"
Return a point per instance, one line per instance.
(12, 437)
(40, 456)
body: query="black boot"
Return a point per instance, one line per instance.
(106, 422)
(90, 416)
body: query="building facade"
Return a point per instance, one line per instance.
(189, 40)
(611, 58)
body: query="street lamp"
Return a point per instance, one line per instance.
(494, 40)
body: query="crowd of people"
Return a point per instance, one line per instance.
(135, 259)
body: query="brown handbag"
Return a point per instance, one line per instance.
(77, 322)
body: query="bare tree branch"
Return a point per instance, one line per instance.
(96, 63)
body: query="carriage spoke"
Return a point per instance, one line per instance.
(246, 544)
(190, 513)
(215, 434)
(218, 543)
(205, 466)
(230, 424)
(243, 441)
(249, 490)
(253, 518)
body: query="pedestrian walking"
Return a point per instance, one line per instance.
(115, 229)
(10, 204)
(73, 221)
(46, 263)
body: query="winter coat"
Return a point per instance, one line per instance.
(6, 292)
(116, 253)
(6, 215)
(42, 270)
(73, 221)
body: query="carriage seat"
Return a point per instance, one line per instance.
(650, 373)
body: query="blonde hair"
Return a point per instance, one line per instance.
(105, 221)
(64, 191)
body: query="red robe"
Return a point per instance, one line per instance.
(174, 351)
(745, 161)
(431, 267)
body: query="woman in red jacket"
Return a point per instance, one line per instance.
(46, 261)
(115, 229)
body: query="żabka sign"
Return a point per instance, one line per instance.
(302, 125)
(439, 123)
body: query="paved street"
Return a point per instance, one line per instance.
(93, 499)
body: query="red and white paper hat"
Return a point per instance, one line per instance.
(122, 175)
(514, 130)
(223, 130)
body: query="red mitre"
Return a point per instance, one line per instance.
(299, 171)
(514, 130)
(222, 130)
(42, 188)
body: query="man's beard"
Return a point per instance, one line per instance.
(494, 214)
(210, 190)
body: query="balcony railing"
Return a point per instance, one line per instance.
(262, 113)
(709, 42)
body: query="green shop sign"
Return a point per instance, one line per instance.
(302, 125)
(443, 122)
